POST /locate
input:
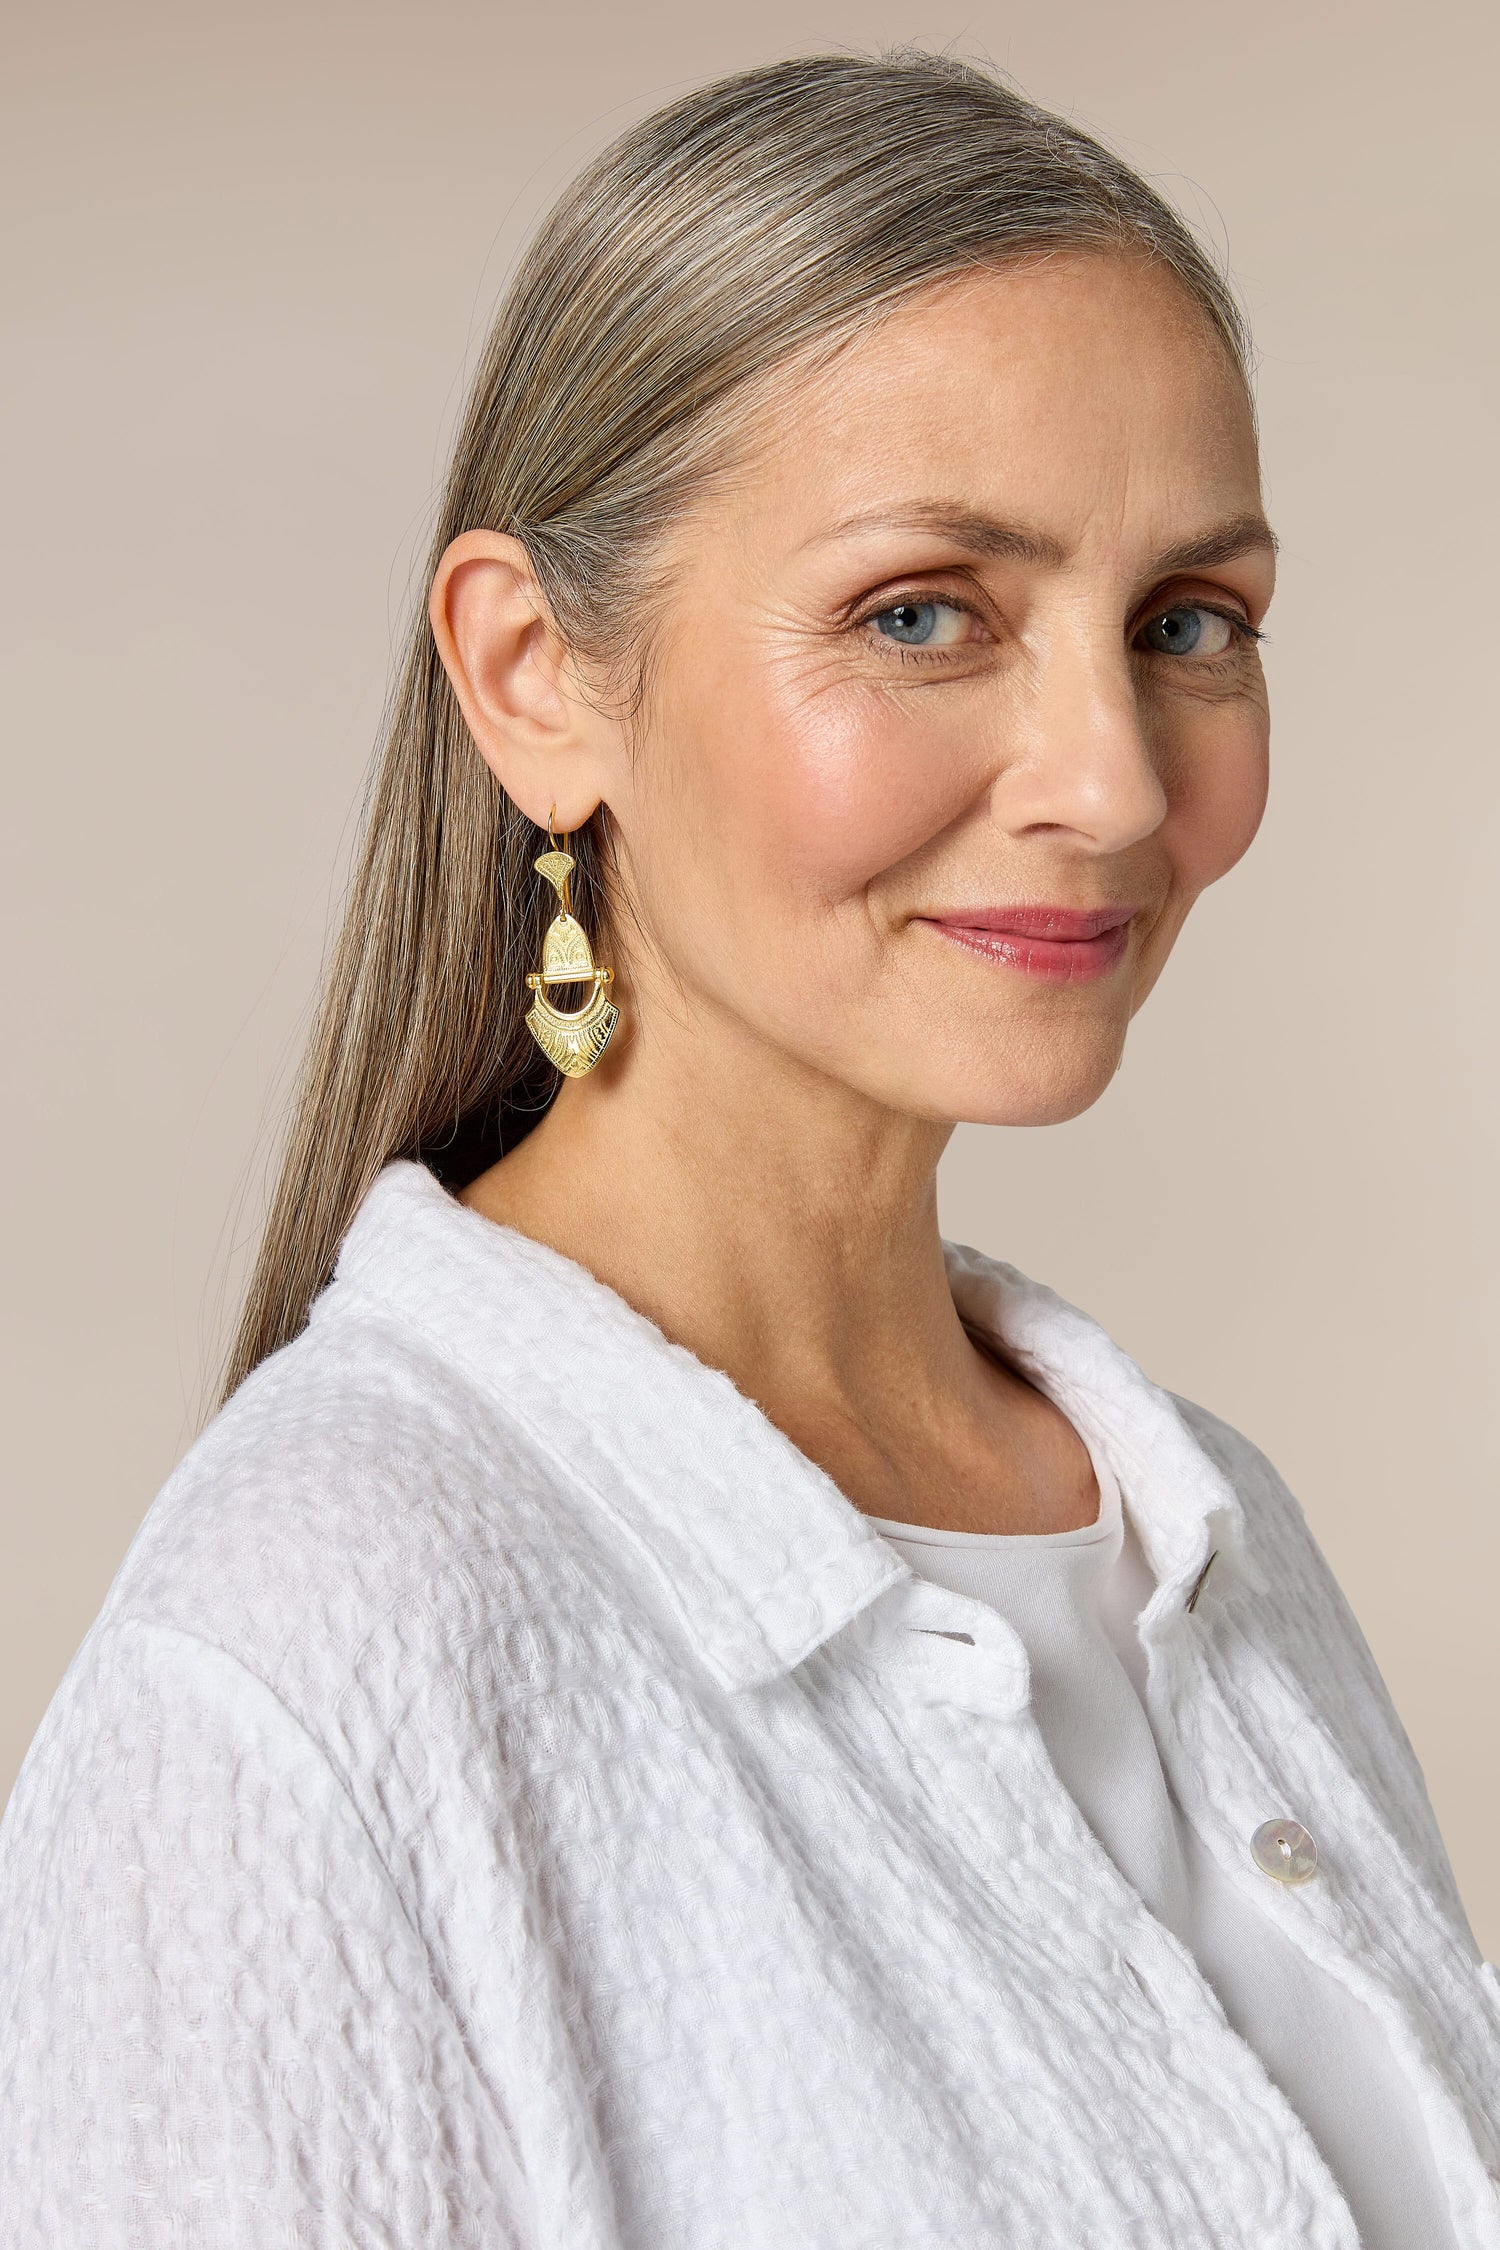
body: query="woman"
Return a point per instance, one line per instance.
(672, 1707)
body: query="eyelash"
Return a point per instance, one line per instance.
(1246, 634)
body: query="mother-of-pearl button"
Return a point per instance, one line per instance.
(1283, 1849)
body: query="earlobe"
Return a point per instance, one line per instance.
(505, 661)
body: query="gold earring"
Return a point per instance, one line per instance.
(573, 1039)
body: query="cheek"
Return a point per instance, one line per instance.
(1218, 800)
(830, 787)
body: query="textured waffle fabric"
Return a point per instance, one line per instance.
(1074, 1597)
(511, 1798)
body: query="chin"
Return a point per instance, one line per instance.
(1048, 1092)
(1037, 1109)
(1040, 1063)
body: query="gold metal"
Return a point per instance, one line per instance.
(572, 1038)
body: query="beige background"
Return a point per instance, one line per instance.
(254, 249)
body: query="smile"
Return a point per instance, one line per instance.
(1056, 944)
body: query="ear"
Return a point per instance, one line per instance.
(546, 745)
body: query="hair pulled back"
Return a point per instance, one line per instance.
(748, 220)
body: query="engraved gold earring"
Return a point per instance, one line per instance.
(573, 1039)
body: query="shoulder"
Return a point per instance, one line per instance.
(360, 1587)
(1276, 1522)
(1298, 1578)
(1295, 1580)
(353, 1512)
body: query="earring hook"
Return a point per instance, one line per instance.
(564, 896)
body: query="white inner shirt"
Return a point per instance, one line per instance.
(1074, 1597)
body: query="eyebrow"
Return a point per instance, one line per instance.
(1240, 535)
(988, 536)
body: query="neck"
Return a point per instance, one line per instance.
(779, 1224)
(783, 1228)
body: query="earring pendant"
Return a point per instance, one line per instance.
(571, 1038)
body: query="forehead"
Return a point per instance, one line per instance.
(1080, 390)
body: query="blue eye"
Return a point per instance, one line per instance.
(912, 622)
(920, 624)
(1190, 632)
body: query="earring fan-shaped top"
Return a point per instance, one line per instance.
(557, 867)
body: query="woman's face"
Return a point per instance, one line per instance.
(956, 705)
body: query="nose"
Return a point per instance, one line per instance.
(1085, 766)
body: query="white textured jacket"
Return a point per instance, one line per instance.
(510, 1797)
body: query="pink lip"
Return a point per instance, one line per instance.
(1058, 944)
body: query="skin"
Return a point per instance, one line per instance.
(752, 1163)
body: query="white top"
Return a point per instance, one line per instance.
(511, 1799)
(1075, 1598)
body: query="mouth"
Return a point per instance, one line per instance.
(1054, 944)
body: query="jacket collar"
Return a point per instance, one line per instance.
(758, 1551)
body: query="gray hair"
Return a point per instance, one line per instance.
(754, 218)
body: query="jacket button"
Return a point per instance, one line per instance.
(1284, 1850)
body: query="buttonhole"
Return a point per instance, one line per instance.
(1141, 1985)
(1201, 1581)
(944, 1634)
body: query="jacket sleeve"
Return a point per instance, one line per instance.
(217, 2024)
